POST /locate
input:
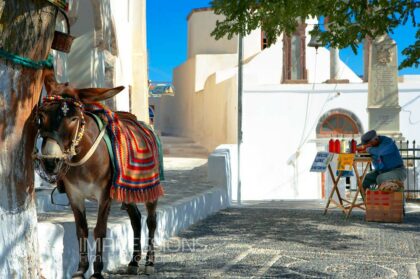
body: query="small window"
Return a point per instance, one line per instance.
(264, 41)
(296, 69)
(294, 56)
(338, 124)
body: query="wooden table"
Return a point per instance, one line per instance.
(345, 205)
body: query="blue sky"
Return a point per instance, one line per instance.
(167, 38)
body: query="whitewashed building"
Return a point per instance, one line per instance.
(294, 99)
(109, 50)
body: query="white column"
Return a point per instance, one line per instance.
(139, 93)
(334, 64)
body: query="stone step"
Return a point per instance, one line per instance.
(193, 148)
(172, 139)
(183, 147)
(185, 153)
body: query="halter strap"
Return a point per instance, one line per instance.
(90, 152)
(68, 154)
(80, 131)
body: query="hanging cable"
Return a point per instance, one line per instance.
(308, 95)
(329, 98)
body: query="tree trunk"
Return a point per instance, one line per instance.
(26, 29)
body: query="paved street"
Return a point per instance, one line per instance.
(288, 240)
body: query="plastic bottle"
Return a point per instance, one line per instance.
(343, 146)
(337, 146)
(353, 144)
(331, 146)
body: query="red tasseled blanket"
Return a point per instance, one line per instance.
(137, 167)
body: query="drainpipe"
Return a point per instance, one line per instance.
(240, 84)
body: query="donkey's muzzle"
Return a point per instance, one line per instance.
(52, 160)
(51, 166)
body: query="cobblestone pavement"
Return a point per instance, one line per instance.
(286, 240)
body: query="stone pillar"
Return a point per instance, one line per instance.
(334, 63)
(140, 90)
(366, 53)
(383, 107)
(335, 67)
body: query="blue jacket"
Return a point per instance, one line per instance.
(385, 156)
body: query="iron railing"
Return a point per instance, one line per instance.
(411, 158)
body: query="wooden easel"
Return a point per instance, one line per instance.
(345, 205)
(359, 182)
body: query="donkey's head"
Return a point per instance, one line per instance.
(61, 122)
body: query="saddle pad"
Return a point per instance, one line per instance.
(138, 168)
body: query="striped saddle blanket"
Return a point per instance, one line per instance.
(136, 156)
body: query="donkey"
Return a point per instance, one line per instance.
(74, 154)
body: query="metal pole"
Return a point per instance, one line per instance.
(240, 83)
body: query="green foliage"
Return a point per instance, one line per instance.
(412, 52)
(349, 22)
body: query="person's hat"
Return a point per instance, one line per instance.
(368, 136)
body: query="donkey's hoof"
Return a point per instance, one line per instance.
(78, 275)
(149, 270)
(97, 276)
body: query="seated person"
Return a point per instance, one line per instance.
(386, 159)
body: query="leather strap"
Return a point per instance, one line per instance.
(91, 150)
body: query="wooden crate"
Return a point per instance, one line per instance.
(384, 206)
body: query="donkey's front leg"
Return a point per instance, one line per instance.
(151, 225)
(100, 233)
(82, 235)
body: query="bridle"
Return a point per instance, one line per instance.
(65, 159)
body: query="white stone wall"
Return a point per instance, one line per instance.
(86, 61)
(205, 103)
(18, 232)
(200, 25)
(207, 116)
(123, 63)
(278, 149)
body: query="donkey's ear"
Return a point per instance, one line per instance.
(98, 94)
(49, 79)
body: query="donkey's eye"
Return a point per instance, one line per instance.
(73, 119)
(39, 119)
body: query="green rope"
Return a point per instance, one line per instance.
(26, 62)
